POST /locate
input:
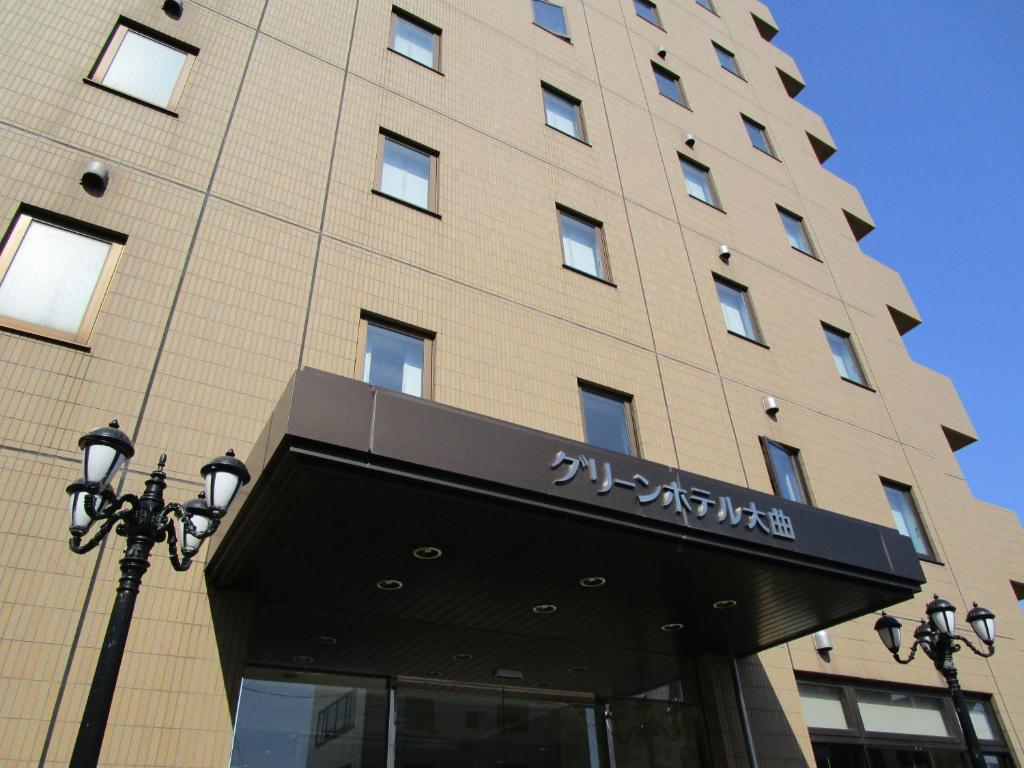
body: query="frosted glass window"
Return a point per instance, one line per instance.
(888, 712)
(784, 467)
(394, 360)
(698, 182)
(823, 706)
(758, 136)
(736, 309)
(140, 66)
(983, 726)
(843, 356)
(405, 173)
(50, 276)
(562, 114)
(796, 232)
(668, 84)
(415, 41)
(904, 514)
(647, 11)
(551, 17)
(581, 244)
(606, 421)
(727, 59)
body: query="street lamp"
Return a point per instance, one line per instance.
(144, 521)
(936, 636)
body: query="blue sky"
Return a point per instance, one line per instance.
(925, 101)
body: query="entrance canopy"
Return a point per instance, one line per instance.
(356, 489)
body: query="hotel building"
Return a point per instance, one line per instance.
(573, 408)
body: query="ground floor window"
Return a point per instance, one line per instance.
(869, 726)
(291, 719)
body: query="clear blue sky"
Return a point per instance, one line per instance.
(925, 101)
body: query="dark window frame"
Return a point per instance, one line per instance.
(798, 467)
(565, 20)
(672, 77)
(716, 199)
(915, 510)
(786, 212)
(763, 130)
(433, 29)
(653, 8)
(546, 87)
(759, 337)
(429, 338)
(605, 274)
(433, 183)
(854, 354)
(735, 70)
(628, 409)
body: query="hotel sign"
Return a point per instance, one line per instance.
(690, 505)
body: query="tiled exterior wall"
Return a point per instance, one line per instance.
(254, 242)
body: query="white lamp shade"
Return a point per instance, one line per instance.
(80, 519)
(100, 463)
(190, 543)
(221, 488)
(943, 615)
(888, 629)
(983, 622)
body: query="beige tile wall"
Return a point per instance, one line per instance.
(254, 242)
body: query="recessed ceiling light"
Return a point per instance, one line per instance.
(593, 581)
(325, 640)
(427, 553)
(303, 659)
(674, 627)
(723, 604)
(389, 585)
(578, 668)
(433, 673)
(545, 608)
(462, 657)
(544, 684)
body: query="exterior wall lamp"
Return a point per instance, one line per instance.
(936, 636)
(144, 521)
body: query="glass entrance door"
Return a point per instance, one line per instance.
(311, 720)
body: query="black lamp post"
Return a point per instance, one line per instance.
(936, 636)
(144, 521)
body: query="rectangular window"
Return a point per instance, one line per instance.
(698, 182)
(563, 113)
(785, 471)
(844, 356)
(758, 136)
(727, 59)
(739, 318)
(582, 243)
(395, 357)
(647, 11)
(144, 64)
(823, 706)
(906, 517)
(53, 275)
(550, 17)
(408, 172)
(796, 232)
(415, 39)
(707, 4)
(608, 420)
(669, 85)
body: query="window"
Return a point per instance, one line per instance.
(550, 17)
(608, 420)
(669, 85)
(881, 725)
(408, 172)
(758, 135)
(698, 182)
(708, 5)
(647, 11)
(54, 273)
(785, 472)
(727, 59)
(395, 357)
(563, 113)
(796, 232)
(844, 356)
(906, 517)
(144, 64)
(582, 243)
(739, 319)
(415, 39)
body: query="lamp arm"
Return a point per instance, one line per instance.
(109, 521)
(910, 658)
(178, 562)
(984, 654)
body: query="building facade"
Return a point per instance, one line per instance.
(572, 404)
